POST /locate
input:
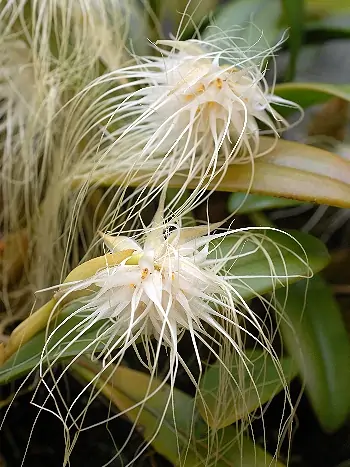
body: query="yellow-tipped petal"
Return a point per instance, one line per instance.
(118, 243)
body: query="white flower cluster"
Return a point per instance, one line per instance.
(169, 284)
(189, 112)
(174, 279)
(75, 115)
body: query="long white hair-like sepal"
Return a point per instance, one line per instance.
(190, 111)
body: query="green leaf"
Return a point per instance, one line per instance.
(290, 170)
(306, 94)
(294, 14)
(315, 336)
(59, 347)
(241, 203)
(255, 16)
(126, 387)
(290, 256)
(182, 435)
(240, 451)
(250, 387)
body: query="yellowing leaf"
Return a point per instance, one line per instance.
(292, 170)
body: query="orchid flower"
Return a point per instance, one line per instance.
(189, 112)
(171, 280)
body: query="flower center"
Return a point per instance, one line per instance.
(216, 83)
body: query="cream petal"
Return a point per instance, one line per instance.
(119, 243)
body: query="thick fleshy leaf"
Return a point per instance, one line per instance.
(59, 347)
(293, 256)
(291, 170)
(29, 328)
(250, 387)
(182, 435)
(306, 94)
(242, 452)
(128, 387)
(38, 320)
(315, 336)
(241, 203)
(254, 16)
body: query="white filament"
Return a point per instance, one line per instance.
(189, 112)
